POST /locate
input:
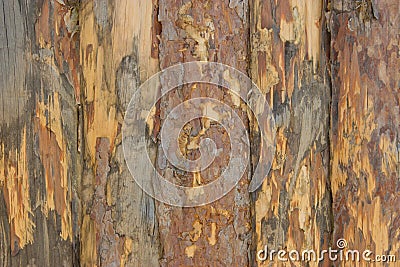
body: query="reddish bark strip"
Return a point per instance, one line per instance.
(217, 234)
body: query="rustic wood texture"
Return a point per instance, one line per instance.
(366, 124)
(329, 70)
(289, 61)
(38, 154)
(118, 224)
(217, 234)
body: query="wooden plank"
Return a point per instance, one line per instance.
(365, 124)
(118, 224)
(39, 156)
(218, 233)
(289, 58)
(329, 70)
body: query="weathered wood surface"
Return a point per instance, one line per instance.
(365, 124)
(118, 224)
(218, 233)
(39, 159)
(289, 62)
(329, 69)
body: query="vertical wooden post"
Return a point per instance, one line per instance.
(39, 159)
(118, 45)
(218, 233)
(365, 124)
(289, 63)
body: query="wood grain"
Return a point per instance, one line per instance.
(365, 125)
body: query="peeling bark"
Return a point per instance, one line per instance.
(289, 60)
(329, 70)
(217, 233)
(365, 125)
(118, 219)
(38, 158)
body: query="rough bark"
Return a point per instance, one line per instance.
(118, 225)
(289, 59)
(218, 233)
(366, 124)
(329, 70)
(38, 154)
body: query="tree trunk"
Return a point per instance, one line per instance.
(329, 71)
(39, 157)
(289, 60)
(365, 125)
